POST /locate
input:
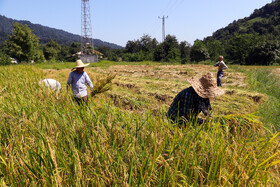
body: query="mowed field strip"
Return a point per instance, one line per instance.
(150, 87)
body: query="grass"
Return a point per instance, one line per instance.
(264, 81)
(50, 140)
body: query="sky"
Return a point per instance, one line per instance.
(119, 21)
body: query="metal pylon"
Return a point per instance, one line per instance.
(86, 29)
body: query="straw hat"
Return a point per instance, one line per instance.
(80, 64)
(206, 86)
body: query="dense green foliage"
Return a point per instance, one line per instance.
(263, 21)
(23, 44)
(4, 59)
(53, 51)
(199, 52)
(253, 40)
(149, 49)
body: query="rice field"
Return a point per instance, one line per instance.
(122, 137)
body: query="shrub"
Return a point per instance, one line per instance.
(4, 59)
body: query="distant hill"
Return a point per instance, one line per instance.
(46, 33)
(264, 21)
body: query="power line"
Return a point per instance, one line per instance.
(168, 5)
(172, 6)
(169, 8)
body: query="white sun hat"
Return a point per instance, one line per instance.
(80, 64)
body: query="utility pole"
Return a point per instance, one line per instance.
(163, 27)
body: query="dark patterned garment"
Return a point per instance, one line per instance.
(188, 104)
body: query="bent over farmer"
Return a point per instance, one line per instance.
(195, 99)
(221, 67)
(78, 79)
(51, 83)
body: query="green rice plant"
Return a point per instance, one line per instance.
(240, 124)
(49, 140)
(266, 82)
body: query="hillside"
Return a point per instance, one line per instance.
(46, 33)
(264, 21)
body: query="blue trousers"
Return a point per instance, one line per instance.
(220, 74)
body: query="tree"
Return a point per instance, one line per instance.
(173, 55)
(264, 54)
(240, 46)
(147, 43)
(171, 51)
(39, 57)
(64, 53)
(215, 49)
(148, 46)
(199, 51)
(185, 50)
(4, 59)
(133, 46)
(159, 53)
(75, 47)
(52, 50)
(139, 50)
(23, 44)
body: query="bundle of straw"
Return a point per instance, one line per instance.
(102, 84)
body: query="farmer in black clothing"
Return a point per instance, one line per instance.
(195, 99)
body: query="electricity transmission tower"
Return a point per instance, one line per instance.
(86, 29)
(163, 27)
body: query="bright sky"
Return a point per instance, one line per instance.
(117, 21)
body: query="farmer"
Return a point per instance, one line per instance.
(195, 99)
(51, 83)
(221, 67)
(78, 80)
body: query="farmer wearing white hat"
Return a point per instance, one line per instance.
(191, 101)
(78, 79)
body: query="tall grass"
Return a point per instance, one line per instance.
(52, 141)
(268, 83)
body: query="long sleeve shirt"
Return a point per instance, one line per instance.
(78, 83)
(188, 104)
(221, 65)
